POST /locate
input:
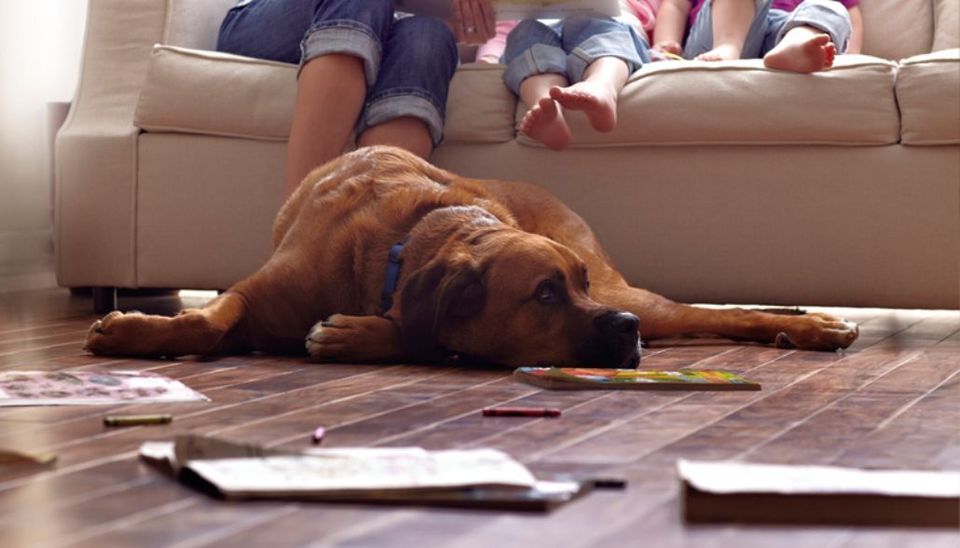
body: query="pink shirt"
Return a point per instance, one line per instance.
(785, 5)
(644, 10)
(790, 5)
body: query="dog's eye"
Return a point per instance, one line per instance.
(547, 292)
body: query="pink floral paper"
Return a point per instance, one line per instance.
(18, 388)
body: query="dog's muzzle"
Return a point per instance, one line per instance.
(616, 341)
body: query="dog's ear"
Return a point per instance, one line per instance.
(436, 294)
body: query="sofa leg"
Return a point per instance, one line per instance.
(104, 299)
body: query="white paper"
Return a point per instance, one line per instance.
(724, 477)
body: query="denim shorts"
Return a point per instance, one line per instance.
(568, 47)
(408, 62)
(770, 25)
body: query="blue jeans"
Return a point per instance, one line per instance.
(568, 47)
(408, 62)
(769, 26)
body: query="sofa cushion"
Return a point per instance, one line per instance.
(741, 102)
(894, 29)
(946, 31)
(201, 92)
(211, 93)
(928, 91)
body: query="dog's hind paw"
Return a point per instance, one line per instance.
(817, 331)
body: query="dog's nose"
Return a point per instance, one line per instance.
(617, 323)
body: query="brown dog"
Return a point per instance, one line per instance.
(497, 271)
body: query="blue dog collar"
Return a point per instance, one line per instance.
(393, 275)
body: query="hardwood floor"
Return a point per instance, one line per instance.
(892, 400)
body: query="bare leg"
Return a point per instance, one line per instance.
(407, 133)
(596, 95)
(802, 49)
(194, 331)
(355, 339)
(330, 94)
(661, 318)
(731, 22)
(544, 121)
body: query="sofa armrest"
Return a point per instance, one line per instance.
(96, 147)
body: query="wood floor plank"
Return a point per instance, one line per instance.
(889, 400)
(367, 418)
(586, 412)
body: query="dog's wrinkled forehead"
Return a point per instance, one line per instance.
(527, 259)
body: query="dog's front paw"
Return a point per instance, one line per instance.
(329, 338)
(354, 339)
(817, 331)
(120, 334)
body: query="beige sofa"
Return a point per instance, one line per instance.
(725, 183)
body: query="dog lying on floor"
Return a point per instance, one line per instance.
(380, 256)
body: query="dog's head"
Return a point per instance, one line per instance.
(511, 297)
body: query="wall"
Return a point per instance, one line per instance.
(40, 42)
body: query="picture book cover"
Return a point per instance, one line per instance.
(22, 388)
(575, 378)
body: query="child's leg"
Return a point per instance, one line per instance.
(603, 54)
(731, 21)
(728, 29)
(808, 39)
(536, 62)
(544, 121)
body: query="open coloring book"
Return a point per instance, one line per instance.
(474, 478)
(520, 9)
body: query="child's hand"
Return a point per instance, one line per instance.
(668, 46)
(473, 21)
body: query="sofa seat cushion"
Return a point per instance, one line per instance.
(928, 92)
(211, 93)
(741, 102)
(669, 103)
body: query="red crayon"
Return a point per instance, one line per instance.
(520, 412)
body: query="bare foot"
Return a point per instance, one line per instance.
(597, 101)
(544, 122)
(802, 53)
(723, 52)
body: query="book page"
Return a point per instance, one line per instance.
(342, 470)
(553, 9)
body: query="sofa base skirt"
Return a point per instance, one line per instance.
(832, 226)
